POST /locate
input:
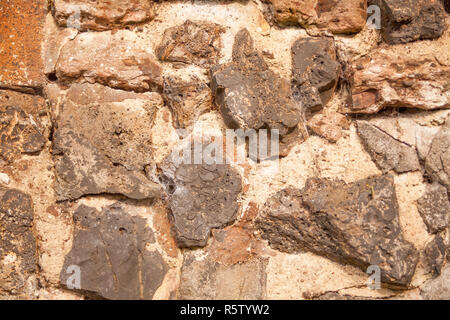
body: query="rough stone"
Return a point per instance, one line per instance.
(387, 152)
(439, 288)
(101, 15)
(335, 16)
(200, 196)
(446, 4)
(193, 42)
(315, 72)
(188, 99)
(114, 158)
(404, 21)
(21, 34)
(434, 208)
(434, 255)
(110, 59)
(329, 125)
(437, 163)
(18, 255)
(354, 223)
(111, 249)
(249, 94)
(206, 279)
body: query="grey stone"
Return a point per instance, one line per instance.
(438, 288)
(387, 152)
(434, 208)
(354, 223)
(109, 247)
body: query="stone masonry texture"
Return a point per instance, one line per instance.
(209, 150)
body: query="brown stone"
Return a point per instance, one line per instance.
(193, 42)
(101, 15)
(21, 34)
(434, 208)
(110, 59)
(329, 125)
(434, 255)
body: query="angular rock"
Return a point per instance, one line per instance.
(387, 152)
(101, 15)
(18, 255)
(434, 208)
(437, 163)
(335, 16)
(22, 31)
(102, 143)
(110, 59)
(249, 94)
(200, 196)
(205, 279)
(404, 21)
(439, 288)
(193, 42)
(110, 248)
(329, 125)
(354, 223)
(434, 255)
(187, 99)
(315, 72)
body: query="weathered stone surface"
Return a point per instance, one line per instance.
(434, 255)
(187, 99)
(315, 72)
(329, 125)
(446, 4)
(110, 59)
(102, 14)
(335, 16)
(21, 34)
(200, 196)
(110, 248)
(439, 288)
(193, 42)
(353, 223)
(18, 255)
(205, 279)
(402, 76)
(410, 20)
(113, 159)
(434, 208)
(249, 94)
(437, 163)
(387, 152)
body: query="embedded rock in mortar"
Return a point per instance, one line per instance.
(333, 15)
(22, 32)
(200, 196)
(434, 255)
(438, 288)
(437, 163)
(100, 15)
(387, 152)
(110, 250)
(354, 223)
(192, 42)
(329, 125)
(109, 59)
(411, 76)
(404, 21)
(18, 255)
(187, 99)
(315, 72)
(249, 94)
(102, 143)
(434, 208)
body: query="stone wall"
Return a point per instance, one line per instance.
(98, 99)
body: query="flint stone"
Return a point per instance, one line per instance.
(110, 59)
(193, 42)
(387, 152)
(114, 158)
(109, 247)
(405, 21)
(249, 94)
(437, 163)
(434, 255)
(101, 15)
(315, 72)
(354, 223)
(18, 255)
(434, 208)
